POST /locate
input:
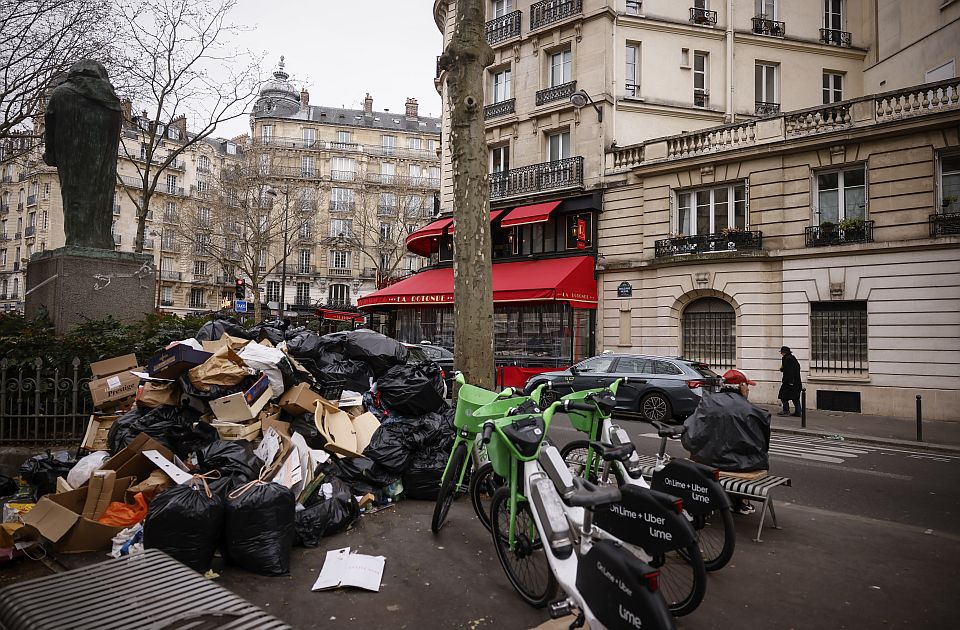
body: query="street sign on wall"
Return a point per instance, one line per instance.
(625, 289)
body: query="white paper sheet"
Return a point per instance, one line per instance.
(269, 447)
(342, 568)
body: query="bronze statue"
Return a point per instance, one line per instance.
(82, 135)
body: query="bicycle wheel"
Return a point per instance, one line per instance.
(574, 454)
(449, 487)
(717, 538)
(526, 564)
(483, 484)
(683, 578)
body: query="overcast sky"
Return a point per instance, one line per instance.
(340, 51)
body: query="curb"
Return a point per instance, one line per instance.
(871, 439)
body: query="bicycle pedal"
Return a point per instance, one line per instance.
(560, 608)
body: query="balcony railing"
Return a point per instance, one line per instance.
(767, 109)
(343, 176)
(31, 200)
(305, 270)
(176, 191)
(386, 211)
(550, 11)
(200, 306)
(5, 208)
(306, 204)
(773, 28)
(169, 246)
(17, 235)
(202, 278)
(304, 237)
(834, 37)
(504, 27)
(944, 224)
(556, 92)
(343, 206)
(702, 16)
(29, 231)
(499, 109)
(701, 98)
(116, 209)
(731, 241)
(536, 177)
(166, 302)
(339, 272)
(148, 243)
(4, 236)
(823, 234)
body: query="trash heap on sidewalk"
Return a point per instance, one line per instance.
(242, 441)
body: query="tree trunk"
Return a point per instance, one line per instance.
(466, 57)
(256, 303)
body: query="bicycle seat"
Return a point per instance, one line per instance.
(591, 496)
(614, 453)
(667, 431)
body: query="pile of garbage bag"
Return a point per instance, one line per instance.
(235, 443)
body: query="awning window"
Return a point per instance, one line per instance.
(537, 213)
(419, 241)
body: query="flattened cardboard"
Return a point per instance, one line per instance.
(243, 406)
(131, 462)
(108, 367)
(98, 428)
(175, 360)
(299, 399)
(58, 518)
(99, 492)
(231, 431)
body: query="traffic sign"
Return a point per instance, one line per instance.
(240, 306)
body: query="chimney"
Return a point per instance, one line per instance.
(180, 122)
(368, 105)
(304, 99)
(127, 106)
(412, 108)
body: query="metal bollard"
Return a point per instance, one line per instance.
(803, 407)
(919, 419)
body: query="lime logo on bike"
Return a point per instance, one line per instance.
(645, 518)
(693, 483)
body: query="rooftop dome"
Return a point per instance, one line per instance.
(278, 96)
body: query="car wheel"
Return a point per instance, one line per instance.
(656, 408)
(548, 397)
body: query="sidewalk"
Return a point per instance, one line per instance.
(938, 435)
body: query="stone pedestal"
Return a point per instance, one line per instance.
(77, 283)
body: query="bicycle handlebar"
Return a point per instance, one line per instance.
(569, 405)
(487, 432)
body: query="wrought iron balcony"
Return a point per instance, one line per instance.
(773, 28)
(169, 246)
(4, 209)
(834, 37)
(29, 231)
(386, 211)
(556, 93)
(503, 27)
(171, 217)
(701, 98)
(767, 109)
(148, 243)
(176, 191)
(944, 224)
(306, 204)
(550, 11)
(564, 173)
(31, 200)
(342, 206)
(728, 241)
(343, 176)
(829, 234)
(166, 302)
(702, 16)
(304, 237)
(499, 109)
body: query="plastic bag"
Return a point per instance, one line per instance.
(379, 351)
(164, 424)
(185, 522)
(190, 439)
(120, 514)
(334, 510)
(268, 361)
(363, 475)
(412, 390)
(422, 478)
(216, 328)
(233, 459)
(129, 542)
(82, 472)
(392, 447)
(727, 432)
(307, 427)
(41, 471)
(8, 486)
(355, 374)
(272, 331)
(259, 527)
(199, 400)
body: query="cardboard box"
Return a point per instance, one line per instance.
(59, 518)
(300, 399)
(98, 428)
(131, 462)
(224, 368)
(112, 382)
(175, 360)
(234, 431)
(157, 394)
(99, 492)
(346, 437)
(243, 406)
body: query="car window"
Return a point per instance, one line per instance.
(704, 370)
(595, 364)
(632, 365)
(665, 367)
(416, 355)
(433, 353)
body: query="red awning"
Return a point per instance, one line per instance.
(419, 241)
(493, 216)
(537, 213)
(340, 316)
(555, 280)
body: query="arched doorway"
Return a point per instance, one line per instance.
(709, 332)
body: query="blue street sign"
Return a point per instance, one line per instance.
(240, 306)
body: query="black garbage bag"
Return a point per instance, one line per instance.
(190, 439)
(422, 478)
(234, 459)
(392, 447)
(304, 344)
(307, 427)
(41, 471)
(355, 374)
(363, 475)
(259, 527)
(434, 430)
(326, 516)
(216, 328)
(379, 351)
(412, 390)
(727, 432)
(8, 486)
(185, 522)
(165, 424)
(272, 330)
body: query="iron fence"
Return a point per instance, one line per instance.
(42, 403)
(711, 338)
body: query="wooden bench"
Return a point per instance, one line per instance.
(739, 485)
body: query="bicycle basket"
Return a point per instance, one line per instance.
(499, 408)
(469, 399)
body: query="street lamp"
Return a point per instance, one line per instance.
(283, 262)
(580, 98)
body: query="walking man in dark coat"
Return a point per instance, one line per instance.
(83, 119)
(790, 389)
